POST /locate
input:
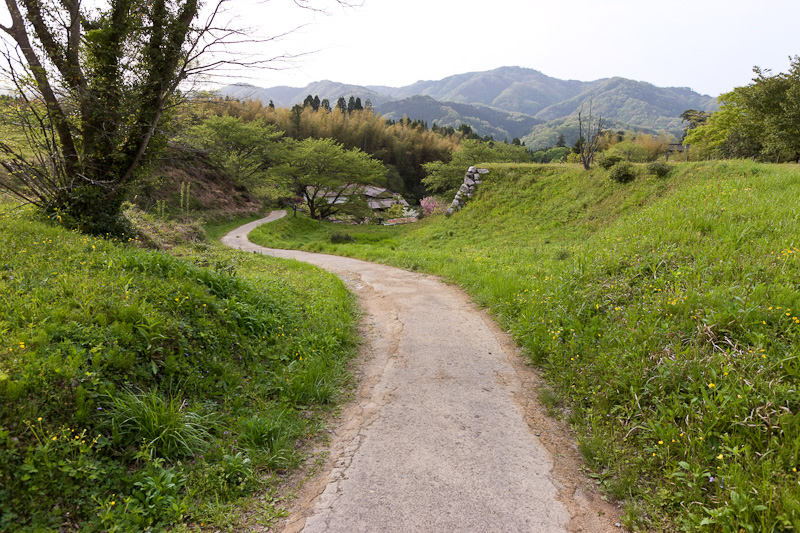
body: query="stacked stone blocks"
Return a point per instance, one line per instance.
(467, 189)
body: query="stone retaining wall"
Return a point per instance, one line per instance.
(471, 182)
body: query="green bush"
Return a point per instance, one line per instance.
(660, 169)
(609, 161)
(395, 211)
(225, 478)
(622, 172)
(157, 499)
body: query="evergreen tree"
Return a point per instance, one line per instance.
(325, 104)
(351, 105)
(297, 113)
(341, 105)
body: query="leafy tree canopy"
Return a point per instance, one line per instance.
(243, 149)
(403, 146)
(328, 177)
(760, 120)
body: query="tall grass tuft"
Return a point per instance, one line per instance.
(166, 426)
(271, 435)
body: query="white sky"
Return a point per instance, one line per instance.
(708, 45)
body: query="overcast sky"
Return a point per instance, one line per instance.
(710, 46)
(707, 45)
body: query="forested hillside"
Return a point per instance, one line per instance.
(510, 102)
(484, 119)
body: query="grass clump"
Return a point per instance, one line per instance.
(664, 313)
(272, 434)
(164, 424)
(127, 374)
(339, 237)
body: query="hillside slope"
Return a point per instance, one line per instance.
(139, 390)
(489, 121)
(509, 88)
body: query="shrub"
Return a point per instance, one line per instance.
(339, 237)
(395, 211)
(622, 172)
(659, 169)
(410, 212)
(225, 478)
(609, 161)
(156, 500)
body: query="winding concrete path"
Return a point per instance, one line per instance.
(443, 434)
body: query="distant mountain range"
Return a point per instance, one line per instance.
(509, 102)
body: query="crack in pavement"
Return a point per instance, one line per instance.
(440, 435)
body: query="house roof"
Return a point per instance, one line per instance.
(376, 197)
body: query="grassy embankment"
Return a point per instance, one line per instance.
(664, 314)
(141, 390)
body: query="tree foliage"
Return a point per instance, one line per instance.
(94, 87)
(693, 118)
(328, 177)
(404, 147)
(244, 150)
(760, 120)
(639, 147)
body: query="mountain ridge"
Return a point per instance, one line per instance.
(509, 102)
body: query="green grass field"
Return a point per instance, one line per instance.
(143, 390)
(663, 313)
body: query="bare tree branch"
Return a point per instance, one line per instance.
(589, 134)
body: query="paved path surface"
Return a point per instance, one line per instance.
(442, 435)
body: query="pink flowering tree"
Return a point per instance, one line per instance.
(432, 206)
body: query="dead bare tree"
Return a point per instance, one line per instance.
(590, 132)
